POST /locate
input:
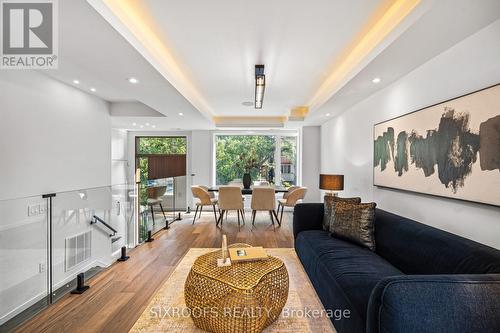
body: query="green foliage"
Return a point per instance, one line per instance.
(238, 154)
(289, 149)
(162, 145)
(143, 194)
(143, 227)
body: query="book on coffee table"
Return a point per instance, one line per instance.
(247, 254)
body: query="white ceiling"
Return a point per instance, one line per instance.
(444, 24)
(91, 51)
(219, 42)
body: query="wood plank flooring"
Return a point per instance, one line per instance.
(118, 295)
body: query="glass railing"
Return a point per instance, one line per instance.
(89, 227)
(46, 241)
(24, 256)
(161, 202)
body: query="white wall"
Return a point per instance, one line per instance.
(347, 142)
(201, 159)
(53, 137)
(119, 156)
(311, 159)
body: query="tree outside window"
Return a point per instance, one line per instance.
(255, 154)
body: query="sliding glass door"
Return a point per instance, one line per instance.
(162, 162)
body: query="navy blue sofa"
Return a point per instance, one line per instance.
(419, 279)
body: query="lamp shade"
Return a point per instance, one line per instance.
(331, 182)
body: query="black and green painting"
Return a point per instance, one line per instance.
(451, 149)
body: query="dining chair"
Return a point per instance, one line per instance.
(204, 200)
(155, 197)
(291, 200)
(230, 199)
(290, 189)
(237, 183)
(210, 193)
(264, 199)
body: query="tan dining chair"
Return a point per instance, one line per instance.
(212, 194)
(155, 197)
(264, 199)
(230, 199)
(290, 189)
(204, 200)
(237, 183)
(291, 200)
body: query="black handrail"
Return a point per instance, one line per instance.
(96, 219)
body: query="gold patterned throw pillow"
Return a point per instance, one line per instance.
(355, 223)
(330, 202)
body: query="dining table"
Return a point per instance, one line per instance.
(249, 191)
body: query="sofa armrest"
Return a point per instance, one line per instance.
(307, 216)
(435, 303)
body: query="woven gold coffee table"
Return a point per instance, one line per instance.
(244, 297)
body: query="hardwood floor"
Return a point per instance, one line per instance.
(118, 295)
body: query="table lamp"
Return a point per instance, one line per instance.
(331, 183)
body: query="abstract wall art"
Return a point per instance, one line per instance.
(451, 149)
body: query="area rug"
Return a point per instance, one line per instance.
(302, 313)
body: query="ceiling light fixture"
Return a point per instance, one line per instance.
(260, 85)
(153, 126)
(133, 80)
(328, 115)
(376, 80)
(181, 114)
(76, 82)
(134, 124)
(147, 124)
(93, 89)
(141, 126)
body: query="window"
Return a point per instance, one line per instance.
(288, 158)
(286, 169)
(161, 145)
(266, 157)
(150, 149)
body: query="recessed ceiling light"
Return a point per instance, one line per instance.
(153, 126)
(181, 114)
(93, 89)
(328, 115)
(76, 82)
(134, 124)
(147, 124)
(141, 126)
(376, 80)
(133, 80)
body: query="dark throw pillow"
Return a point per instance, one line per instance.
(355, 223)
(330, 201)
